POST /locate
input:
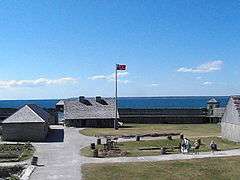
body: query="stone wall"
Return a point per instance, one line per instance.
(230, 125)
(230, 131)
(24, 131)
(231, 114)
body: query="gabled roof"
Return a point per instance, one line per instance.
(28, 114)
(232, 113)
(73, 109)
(213, 100)
(60, 103)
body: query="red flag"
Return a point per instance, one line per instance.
(121, 67)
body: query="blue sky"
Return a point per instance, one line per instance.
(59, 49)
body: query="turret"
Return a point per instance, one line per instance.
(211, 105)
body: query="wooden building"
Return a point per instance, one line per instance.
(30, 123)
(100, 112)
(89, 112)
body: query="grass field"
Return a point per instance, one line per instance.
(190, 130)
(205, 169)
(132, 147)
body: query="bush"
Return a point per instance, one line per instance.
(10, 172)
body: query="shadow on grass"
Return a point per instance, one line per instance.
(127, 126)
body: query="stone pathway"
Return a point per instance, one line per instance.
(61, 160)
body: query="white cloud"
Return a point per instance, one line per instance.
(204, 68)
(36, 82)
(154, 84)
(98, 77)
(111, 77)
(207, 83)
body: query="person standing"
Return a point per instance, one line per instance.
(213, 146)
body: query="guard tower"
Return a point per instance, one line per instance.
(60, 110)
(60, 106)
(211, 105)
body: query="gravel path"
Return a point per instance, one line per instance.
(201, 155)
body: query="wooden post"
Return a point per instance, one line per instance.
(116, 101)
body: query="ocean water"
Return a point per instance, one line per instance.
(132, 102)
(45, 103)
(170, 102)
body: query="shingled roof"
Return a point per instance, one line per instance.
(60, 103)
(89, 109)
(28, 114)
(232, 113)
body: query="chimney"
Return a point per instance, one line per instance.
(99, 99)
(81, 99)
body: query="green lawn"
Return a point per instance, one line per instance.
(190, 130)
(132, 147)
(205, 169)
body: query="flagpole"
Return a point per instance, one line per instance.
(116, 101)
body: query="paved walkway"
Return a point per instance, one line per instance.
(60, 160)
(201, 155)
